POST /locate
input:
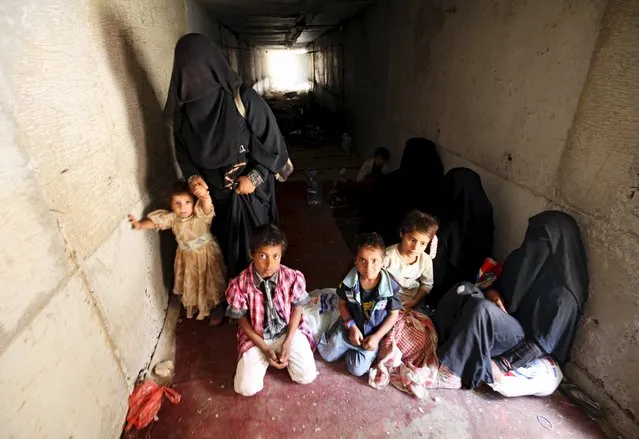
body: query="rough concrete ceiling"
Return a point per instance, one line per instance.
(276, 23)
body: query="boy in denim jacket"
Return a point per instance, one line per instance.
(369, 306)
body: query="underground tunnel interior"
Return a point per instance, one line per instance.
(539, 99)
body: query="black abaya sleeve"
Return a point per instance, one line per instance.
(267, 152)
(183, 157)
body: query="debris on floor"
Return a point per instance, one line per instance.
(164, 369)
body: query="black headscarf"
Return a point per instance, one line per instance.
(415, 185)
(465, 233)
(421, 161)
(465, 203)
(552, 238)
(201, 102)
(544, 283)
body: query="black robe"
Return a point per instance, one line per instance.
(465, 233)
(415, 185)
(544, 285)
(214, 141)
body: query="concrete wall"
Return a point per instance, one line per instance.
(326, 70)
(540, 98)
(82, 297)
(244, 59)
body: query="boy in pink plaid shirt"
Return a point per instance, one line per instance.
(267, 299)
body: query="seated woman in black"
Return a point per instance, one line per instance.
(465, 237)
(415, 185)
(533, 310)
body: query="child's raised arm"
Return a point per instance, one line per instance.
(203, 195)
(143, 224)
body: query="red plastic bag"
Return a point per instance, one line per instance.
(145, 402)
(488, 273)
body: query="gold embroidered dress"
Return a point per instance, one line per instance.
(200, 274)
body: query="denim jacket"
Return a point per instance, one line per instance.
(387, 290)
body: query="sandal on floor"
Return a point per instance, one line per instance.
(578, 397)
(217, 316)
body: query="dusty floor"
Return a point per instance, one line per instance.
(336, 404)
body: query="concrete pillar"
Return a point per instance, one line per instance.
(599, 179)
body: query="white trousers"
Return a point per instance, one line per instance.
(249, 375)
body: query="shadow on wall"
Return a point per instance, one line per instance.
(147, 127)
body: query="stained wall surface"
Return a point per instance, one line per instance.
(542, 100)
(82, 296)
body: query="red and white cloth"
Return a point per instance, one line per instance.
(407, 356)
(243, 295)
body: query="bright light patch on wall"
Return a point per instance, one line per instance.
(288, 70)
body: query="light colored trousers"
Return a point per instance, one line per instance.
(249, 375)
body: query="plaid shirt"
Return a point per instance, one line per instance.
(243, 295)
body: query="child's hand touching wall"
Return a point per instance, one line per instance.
(135, 224)
(144, 224)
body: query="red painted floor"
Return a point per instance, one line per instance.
(336, 405)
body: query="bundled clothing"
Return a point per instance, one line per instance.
(544, 287)
(465, 237)
(407, 355)
(369, 309)
(200, 275)
(214, 141)
(267, 304)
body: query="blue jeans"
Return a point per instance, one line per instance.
(334, 345)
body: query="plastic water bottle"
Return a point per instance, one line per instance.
(313, 189)
(346, 143)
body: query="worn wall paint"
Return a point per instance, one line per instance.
(84, 84)
(507, 88)
(83, 297)
(598, 178)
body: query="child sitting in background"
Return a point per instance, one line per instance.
(407, 261)
(267, 298)
(199, 265)
(375, 166)
(369, 305)
(357, 192)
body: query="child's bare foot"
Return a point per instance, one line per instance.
(189, 312)
(201, 316)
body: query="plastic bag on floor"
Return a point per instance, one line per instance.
(540, 377)
(321, 312)
(145, 403)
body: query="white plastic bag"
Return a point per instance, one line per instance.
(321, 312)
(540, 377)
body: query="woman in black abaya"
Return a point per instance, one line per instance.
(465, 236)
(415, 185)
(533, 309)
(235, 158)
